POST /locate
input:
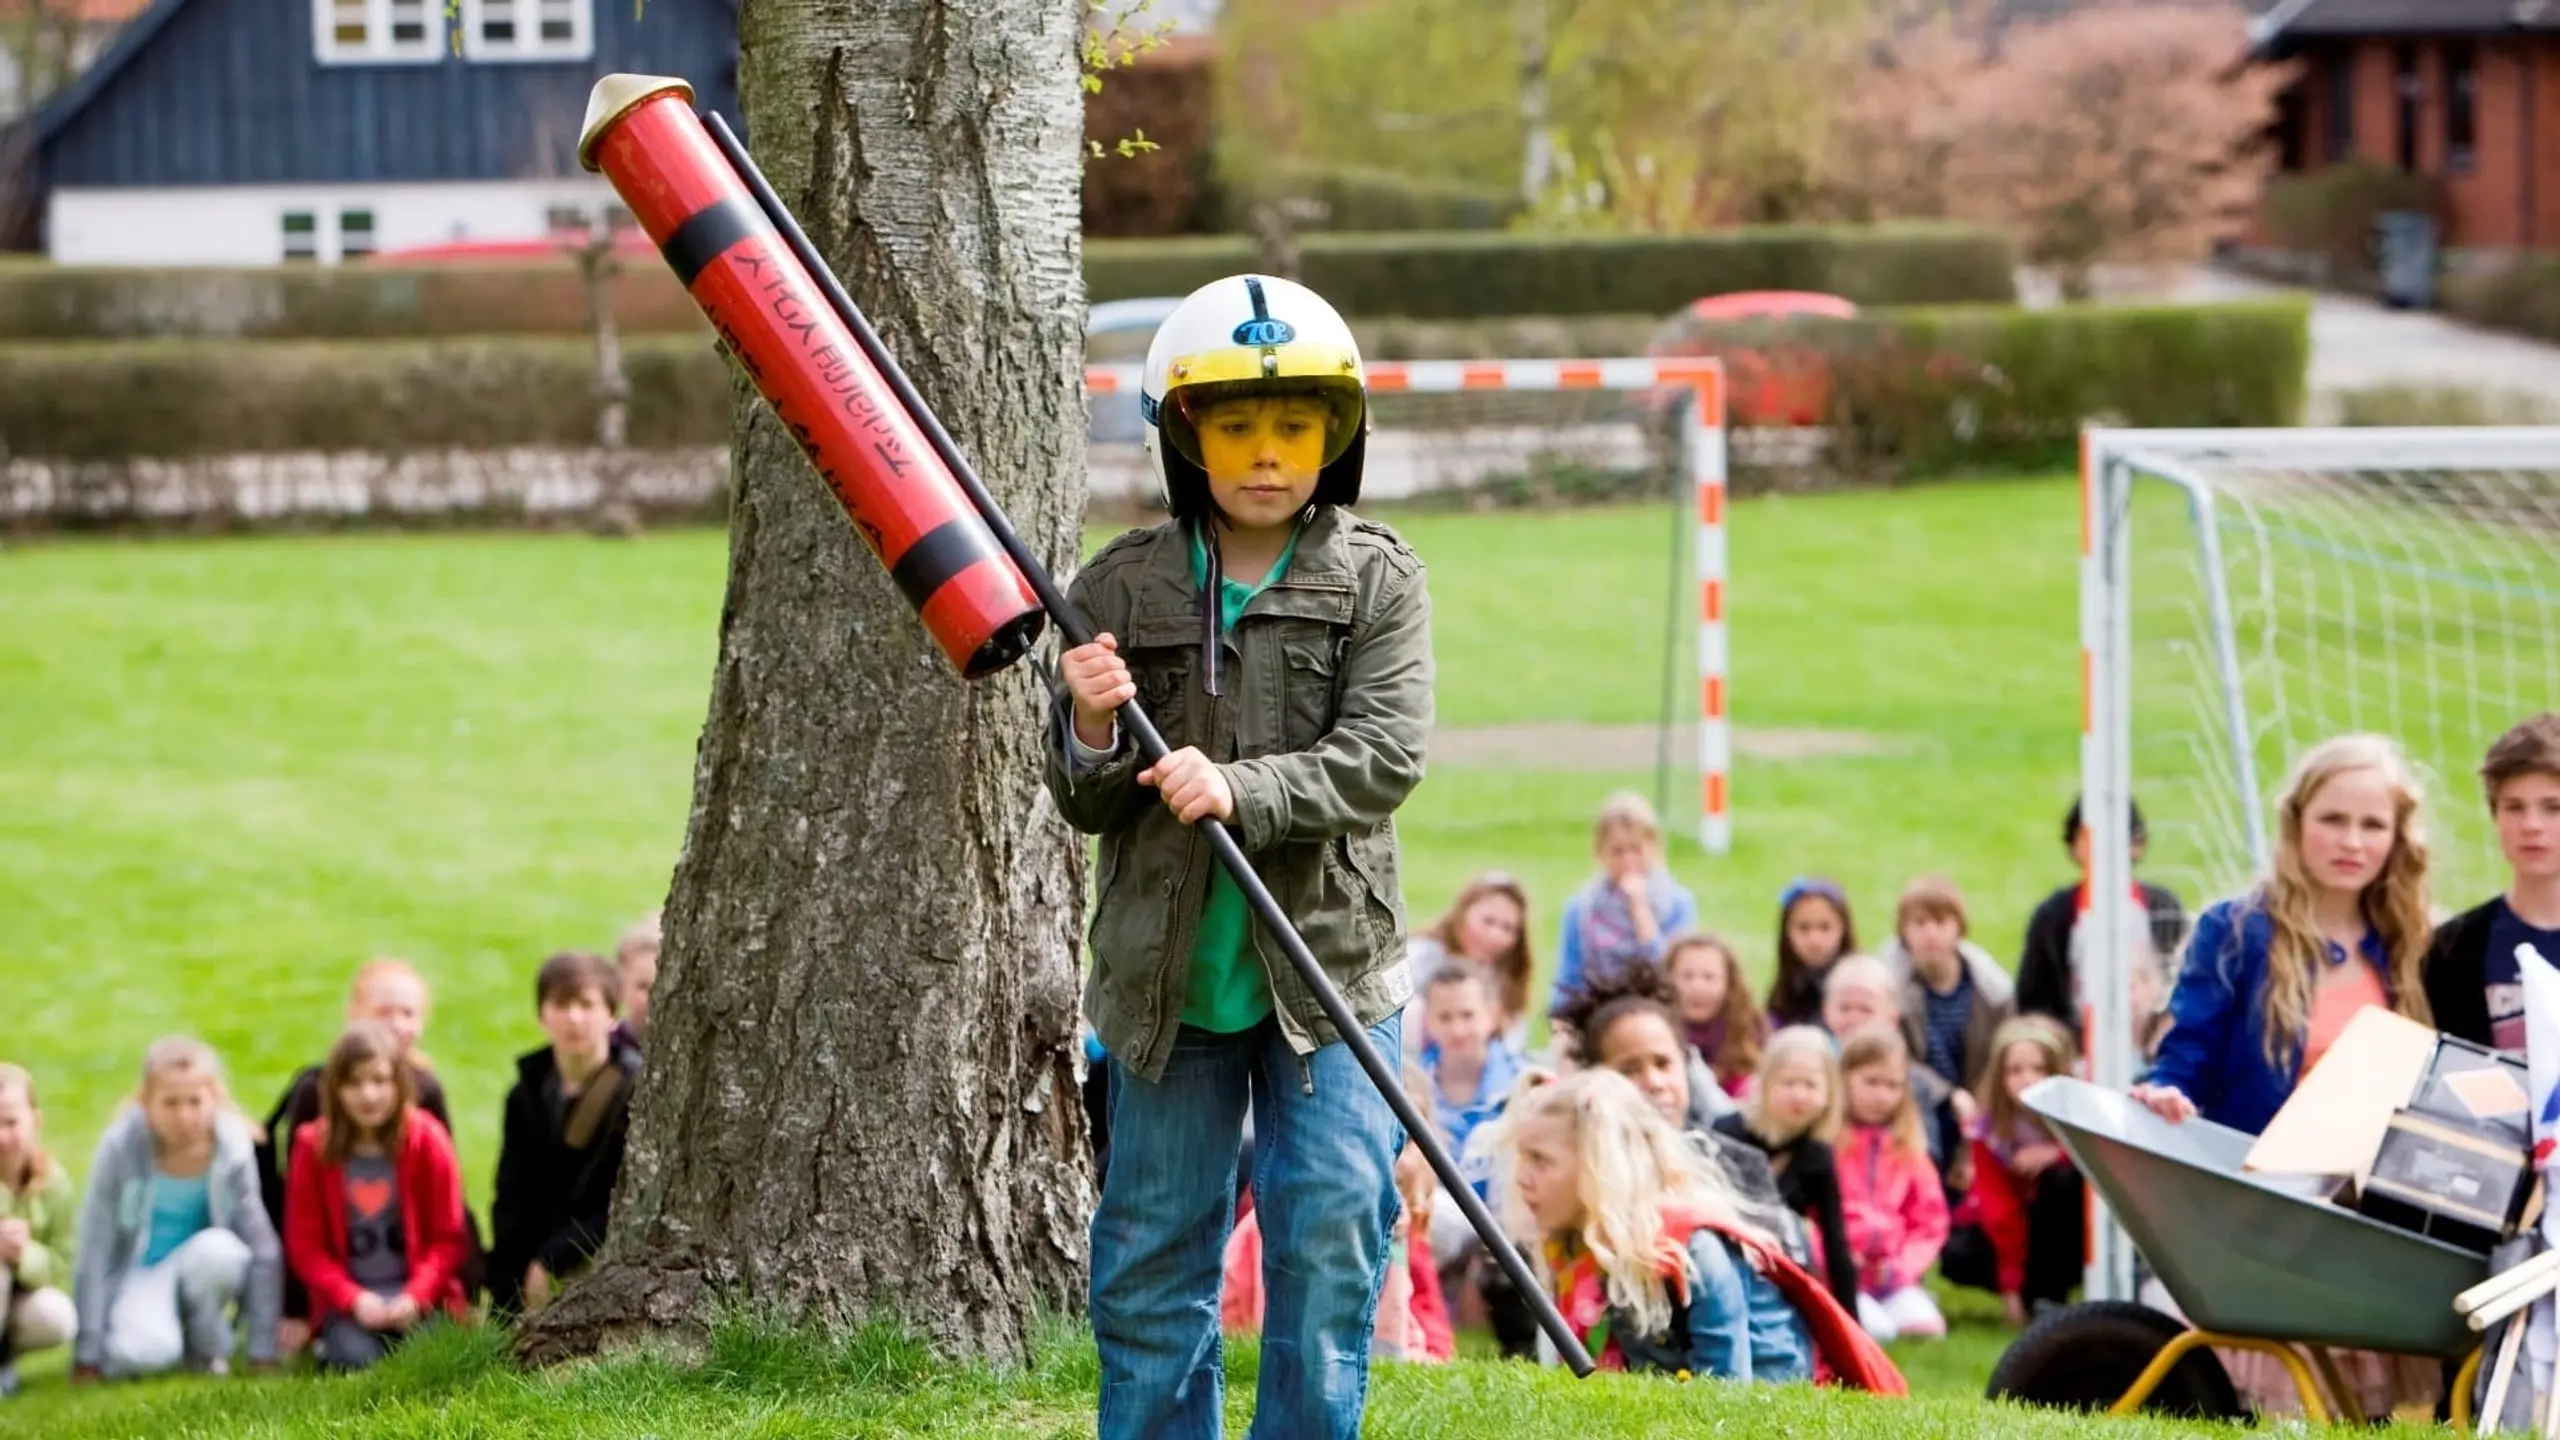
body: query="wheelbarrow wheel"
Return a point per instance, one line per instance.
(2085, 1357)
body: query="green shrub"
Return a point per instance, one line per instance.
(2331, 212)
(205, 397)
(1454, 274)
(1909, 390)
(1435, 275)
(1926, 390)
(2412, 405)
(2521, 295)
(331, 302)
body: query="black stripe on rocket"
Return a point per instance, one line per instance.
(940, 555)
(707, 234)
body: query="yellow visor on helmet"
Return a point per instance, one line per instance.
(1225, 409)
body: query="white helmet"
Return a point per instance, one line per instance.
(1250, 335)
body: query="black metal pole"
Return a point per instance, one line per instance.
(1151, 744)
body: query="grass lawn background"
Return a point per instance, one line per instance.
(231, 770)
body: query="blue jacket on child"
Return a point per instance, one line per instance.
(1734, 1324)
(2216, 1052)
(1674, 910)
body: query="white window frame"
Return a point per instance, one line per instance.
(372, 231)
(318, 254)
(378, 47)
(528, 46)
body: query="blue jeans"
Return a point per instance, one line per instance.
(1325, 1145)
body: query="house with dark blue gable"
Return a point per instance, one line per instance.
(252, 132)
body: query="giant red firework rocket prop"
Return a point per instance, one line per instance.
(806, 359)
(910, 492)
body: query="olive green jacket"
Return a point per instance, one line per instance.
(1319, 729)
(51, 1211)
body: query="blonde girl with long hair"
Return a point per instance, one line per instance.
(2340, 922)
(1650, 1259)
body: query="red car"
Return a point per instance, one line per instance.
(1783, 388)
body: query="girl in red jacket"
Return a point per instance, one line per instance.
(373, 1205)
(1892, 1202)
(2027, 1237)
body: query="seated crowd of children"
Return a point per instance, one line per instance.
(339, 1226)
(1714, 1184)
(1770, 1172)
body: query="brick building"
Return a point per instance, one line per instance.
(2464, 91)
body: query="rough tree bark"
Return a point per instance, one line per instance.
(860, 1099)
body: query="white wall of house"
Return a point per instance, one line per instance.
(322, 224)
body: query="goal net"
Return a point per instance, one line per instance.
(1511, 432)
(2246, 594)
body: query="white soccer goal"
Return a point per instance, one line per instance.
(2246, 594)
(1531, 429)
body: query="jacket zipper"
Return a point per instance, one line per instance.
(1222, 727)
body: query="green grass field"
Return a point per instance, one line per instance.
(756, 1386)
(230, 771)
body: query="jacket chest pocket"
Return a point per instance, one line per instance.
(1162, 647)
(1162, 674)
(1311, 657)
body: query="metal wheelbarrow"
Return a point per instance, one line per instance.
(2254, 1262)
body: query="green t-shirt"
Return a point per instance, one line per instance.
(1227, 990)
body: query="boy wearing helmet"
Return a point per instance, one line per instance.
(1282, 645)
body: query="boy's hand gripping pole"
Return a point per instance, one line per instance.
(962, 591)
(1077, 631)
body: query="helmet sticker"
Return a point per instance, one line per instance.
(1262, 329)
(1265, 331)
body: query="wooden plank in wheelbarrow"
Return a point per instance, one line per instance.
(2334, 1122)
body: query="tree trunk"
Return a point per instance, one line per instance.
(861, 1094)
(615, 513)
(1537, 131)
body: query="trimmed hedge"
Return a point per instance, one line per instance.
(1925, 390)
(1422, 274)
(1451, 274)
(206, 397)
(312, 302)
(1908, 390)
(2521, 295)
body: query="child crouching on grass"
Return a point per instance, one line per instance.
(1649, 1260)
(568, 1117)
(2027, 1237)
(373, 1221)
(1718, 1016)
(1891, 1200)
(36, 1227)
(1413, 1313)
(388, 992)
(1793, 1112)
(173, 1235)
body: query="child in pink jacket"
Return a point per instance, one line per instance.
(1413, 1316)
(1892, 1203)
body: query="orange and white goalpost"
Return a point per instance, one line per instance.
(1529, 429)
